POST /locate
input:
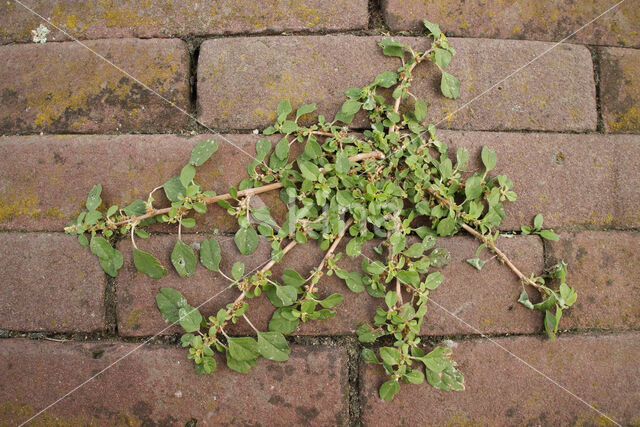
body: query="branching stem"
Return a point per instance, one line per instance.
(243, 193)
(331, 250)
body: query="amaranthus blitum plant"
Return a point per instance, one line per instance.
(377, 184)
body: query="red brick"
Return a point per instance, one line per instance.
(242, 90)
(488, 297)
(620, 89)
(604, 267)
(156, 385)
(555, 174)
(148, 19)
(528, 19)
(48, 177)
(63, 87)
(49, 283)
(604, 370)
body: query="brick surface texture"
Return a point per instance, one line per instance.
(49, 285)
(155, 18)
(529, 19)
(501, 390)
(274, 68)
(64, 87)
(564, 120)
(155, 385)
(620, 89)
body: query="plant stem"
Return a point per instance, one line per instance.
(244, 193)
(484, 239)
(331, 250)
(250, 324)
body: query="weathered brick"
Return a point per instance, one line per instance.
(556, 174)
(241, 81)
(46, 179)
(156, 385)
(63, 87)
(487, 297)
(604, 267)
(149, 19)
(620, 89)
(604, 370)
(528, 19)
(49, 283)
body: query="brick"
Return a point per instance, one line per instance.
(524, 20)
(604, 370)
(49, 283)
(604, 267)
(556, 92)
(46, 179)
(156, 385)
(620, 89)
(553, 174)
(63, 87)
(487, 297)
(151, 19)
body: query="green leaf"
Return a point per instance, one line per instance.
(242, 366)
(409, 277)
(282, 323)
(433, 280)
(292, 278)
(369, 356)
(476, 262)
(414, 377)
(137, 208)
(148, 264)
(289, 127)
(389, 389)
(210, 254)
(202, 151)
(273, 346)
(442, 57)
(93, 199)
(473, 187)
(243, 348)
(549, 235)
(350, 107)
(246, 240)
(343, 164)
(305, 109)
(174, 188)
(287, 294)
(237, 271)
(537, 221)
(449, 85)
(551, 322)
(420, 110)
(112, 264)
(391, 47)
(209, 364)
(434, 29)
(462, 158)
(446, 226)
(188, 222)
(284, 108)
(190, 319)
(524, 300)
(183, 259)
(439, 257)
(187, 174)
(309, 170)
(415, 251)
(101, 247)
(331, 301)
(390, 355)
(263, 146)
(282, 149)
(386, 79)
(489, 158)
(437, 360)
(169, 303)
